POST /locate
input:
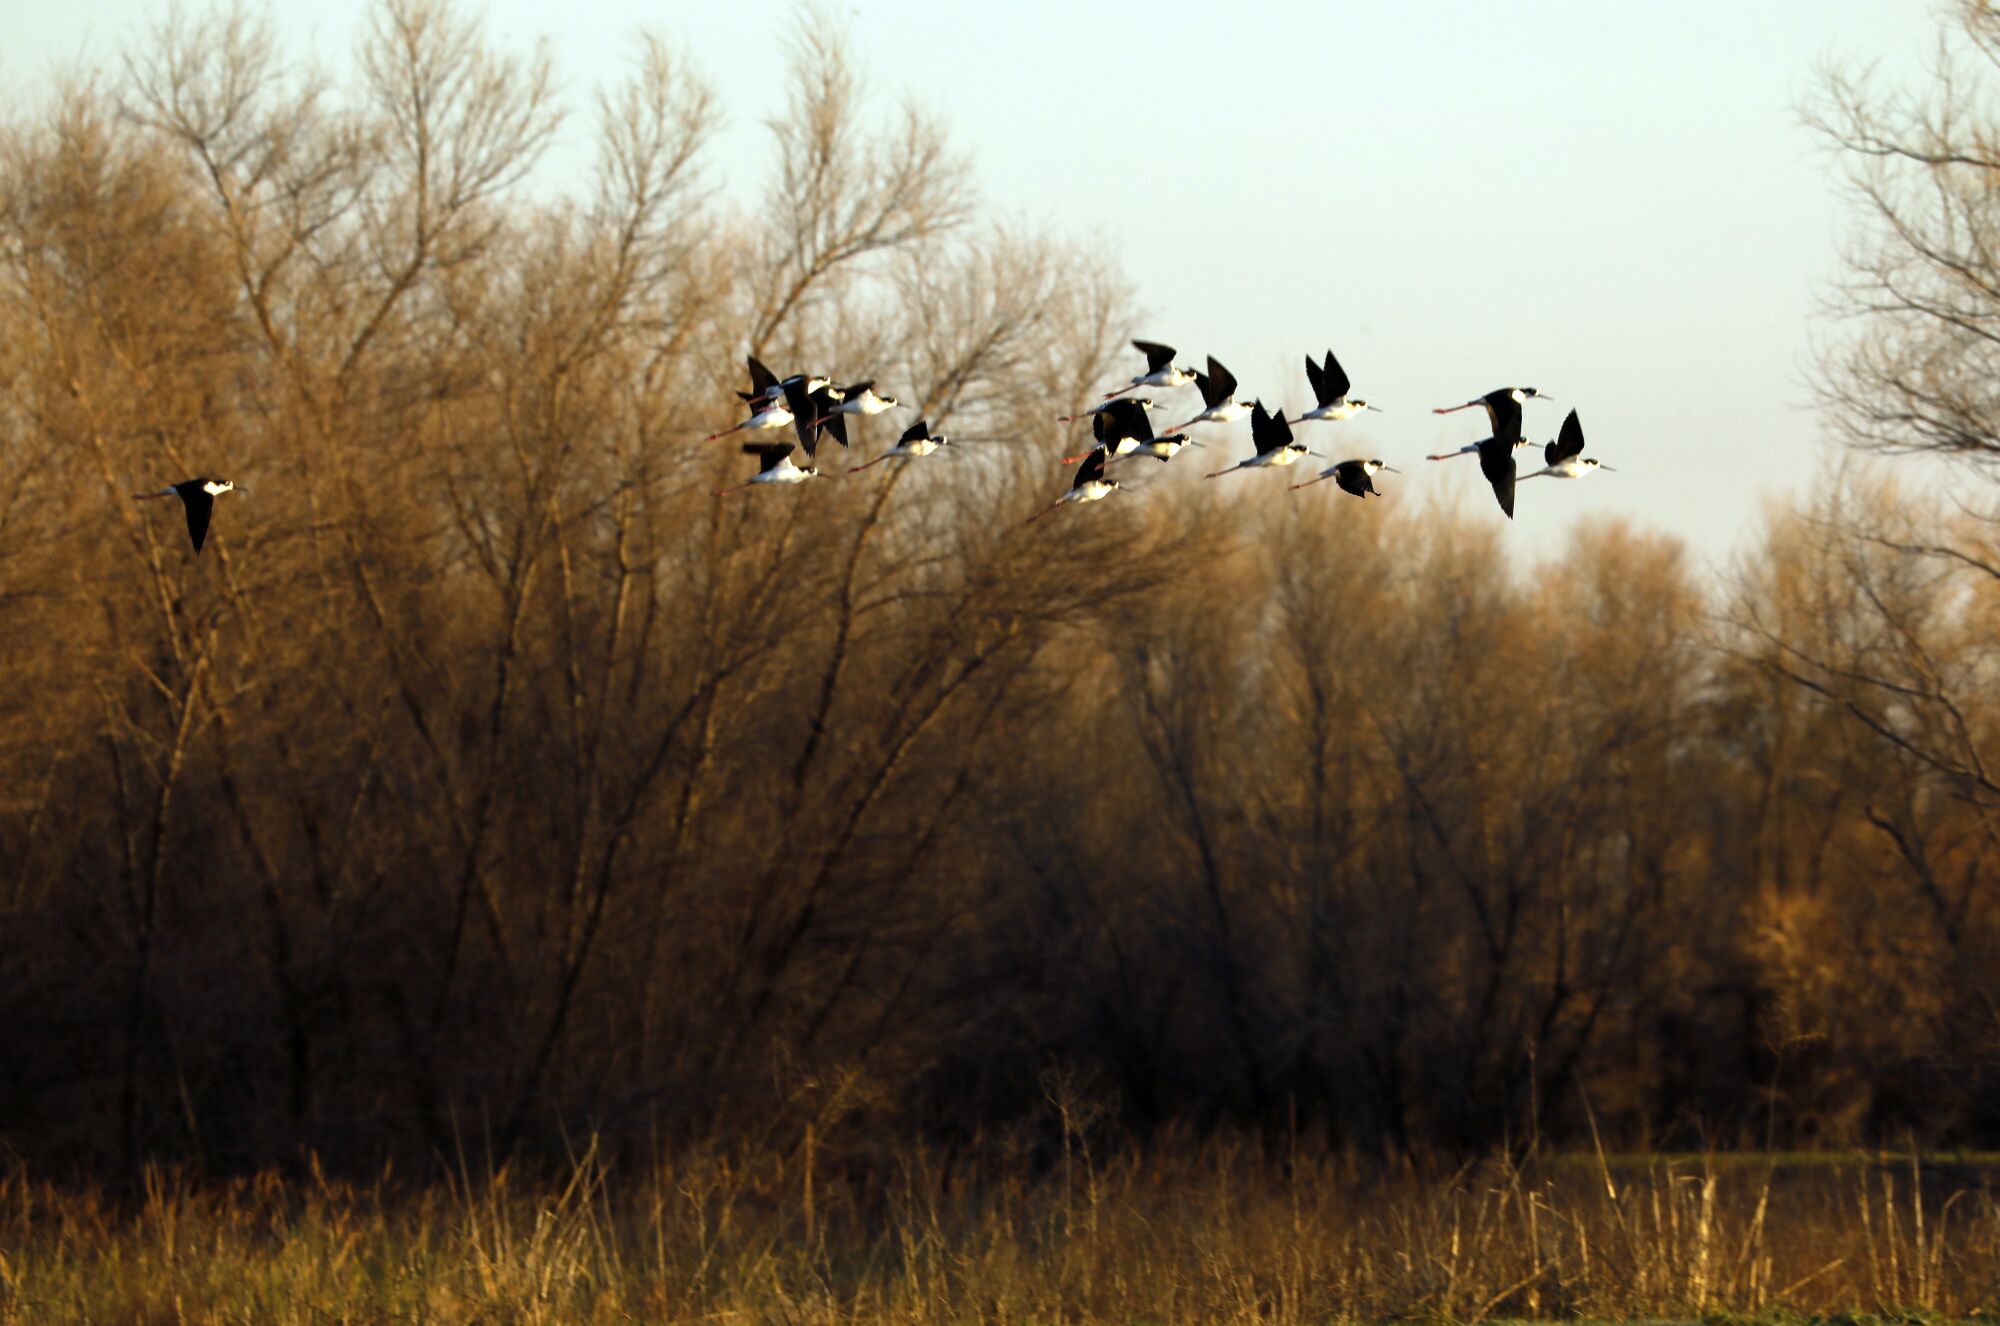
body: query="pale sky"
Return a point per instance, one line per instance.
(1613, 202)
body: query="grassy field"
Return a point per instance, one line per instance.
(1213, 1233)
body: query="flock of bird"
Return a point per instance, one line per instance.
(812, 408)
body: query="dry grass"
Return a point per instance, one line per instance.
(1217, 1233)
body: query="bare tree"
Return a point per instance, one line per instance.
(1918, 314)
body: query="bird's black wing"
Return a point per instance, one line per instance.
(768, 454)
(1335, 378)
(1135, 422)
(915, 432)
(1220, 386)
(1269, 431)
(1317, 381)
(1091, 470)
(762, 379)
(1504, 412)
(803, 410)
(1142, 426)
(835, 426)
(824, 419)
(1496, 462)
(1569, 442)
(1122, 418)
(200, 504)
(857, 389)
(1260, 429)
(1157, 356)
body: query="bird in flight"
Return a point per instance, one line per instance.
(1329, 387)
(1218, 397)
(1090, 485)
(1503, 411)
(198, 497)
(1272, 435)
(917, 440)
(860, 398)
(1120, 428)
(774, 460)
(1161, 370)
(1565, 455)
(1353, 476)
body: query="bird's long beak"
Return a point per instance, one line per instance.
(1390, 469)
(1376, 408)
(1602, 466)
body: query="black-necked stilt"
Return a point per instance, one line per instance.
(1160, 369)
(1273, 438)
(861, 399)
(1329, 388)
(1474, 448)
(1565, 455)
(1120, 429)
(764, 414)
(198, 496)
(917, 440)
(1090, 485)
(1108, 403)
(1353, 476)
(1165, 446)
(774, 461)
(1503, 411)
(1218, 397)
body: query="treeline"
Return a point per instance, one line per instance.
(486, 783)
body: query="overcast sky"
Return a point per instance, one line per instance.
(1615, 203)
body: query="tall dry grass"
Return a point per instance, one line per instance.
(1217, 1232)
